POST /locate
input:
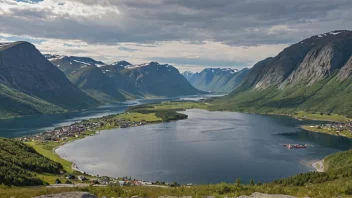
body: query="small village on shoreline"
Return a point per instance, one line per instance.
(336, 128)
(66, 134)
(76, 130)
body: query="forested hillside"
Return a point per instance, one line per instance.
(19, 164)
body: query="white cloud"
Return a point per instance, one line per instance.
(54, 8)
(281, 29)
(140, 53)
(186, 33)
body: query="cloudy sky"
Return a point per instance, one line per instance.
(189, 34)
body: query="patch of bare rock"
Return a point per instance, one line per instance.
(69, 195)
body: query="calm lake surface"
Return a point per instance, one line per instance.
(209, 147)
(19, 127)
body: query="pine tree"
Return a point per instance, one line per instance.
(252, 182)
(238, 182)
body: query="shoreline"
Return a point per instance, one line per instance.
(313, 129)
(62, 135)
(318, 165)
(74, 166)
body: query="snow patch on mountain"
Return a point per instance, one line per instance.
(232, 71)
(53, 57)
(335, 32)
(85, 63)
(188, 73)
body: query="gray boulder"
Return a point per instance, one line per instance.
(69, 195)
(262, 195)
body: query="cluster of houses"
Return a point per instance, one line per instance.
(78, 129)
(337, 127)
(125, 181)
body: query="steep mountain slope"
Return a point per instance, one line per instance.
(15, 104)
(121, 82)
(24, 69)
(216, 79)
(190, 76)
(119, 65)
(313, 75)
(159, 80)
(86, 75)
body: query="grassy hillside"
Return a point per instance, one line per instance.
(337, 167)
(19, 164)
(340, 160)
(329, 96)
(14, 104)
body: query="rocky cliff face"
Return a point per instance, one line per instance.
(217, 80)
(307, 62)
(346, 70)
(25, 69)
(313, 75)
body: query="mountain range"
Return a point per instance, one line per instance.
(218, 80)
(313, 75)
(31, 83)
(86, 74)
(121, 80)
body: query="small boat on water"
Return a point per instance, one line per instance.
(295, 146)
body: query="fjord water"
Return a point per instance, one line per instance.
(18, 127)
(209, 147)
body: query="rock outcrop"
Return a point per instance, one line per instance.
(308, 61)
(69, 195)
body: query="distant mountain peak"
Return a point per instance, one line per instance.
(121, 63)
(230, 70)
(51, 57)
(153, 63)
(87, 61)
(332, 33)
(188, 73)
(84, 61)
(6, 45)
